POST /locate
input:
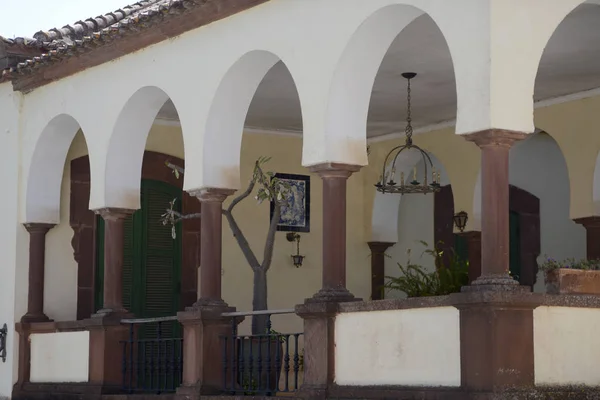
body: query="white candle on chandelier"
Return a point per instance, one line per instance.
(433, 175)
(415, 174)
(401, 178)
(438, 177)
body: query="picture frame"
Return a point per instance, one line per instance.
(296, 216)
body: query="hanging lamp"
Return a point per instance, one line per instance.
(417, 184)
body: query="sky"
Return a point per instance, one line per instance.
(26, 17)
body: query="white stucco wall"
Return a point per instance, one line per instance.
(416, 347)
(566, 350)
(9, 228)
(60, 357)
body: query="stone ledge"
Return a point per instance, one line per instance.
(518, 299)
(425, 393)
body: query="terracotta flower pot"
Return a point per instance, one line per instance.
(573, 281)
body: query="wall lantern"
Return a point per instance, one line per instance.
(460, 220)
(297, 259)
(3, 333)
(386, 182)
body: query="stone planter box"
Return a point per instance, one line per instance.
(573, 281)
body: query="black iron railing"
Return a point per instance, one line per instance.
(261, 364)
(152, 355)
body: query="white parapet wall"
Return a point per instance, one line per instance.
(566, 347)
(60, 357)
(415, 347)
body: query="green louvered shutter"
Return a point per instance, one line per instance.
(161, 254)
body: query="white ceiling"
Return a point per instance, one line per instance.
(570, 64)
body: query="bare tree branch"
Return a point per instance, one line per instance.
(241, 239)
(242, 196)
(179, 216)
(270, 242)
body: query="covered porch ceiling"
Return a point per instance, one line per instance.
(570, 64)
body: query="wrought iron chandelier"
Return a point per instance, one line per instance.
(386, 182)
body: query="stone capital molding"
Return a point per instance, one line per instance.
(588, 222)
(38, 227)
(380, 247)
(212, 195)
(334, 170)
(495, 138)
(114, 214)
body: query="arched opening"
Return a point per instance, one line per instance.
(368, 94)
(47, 194)
(421, 222)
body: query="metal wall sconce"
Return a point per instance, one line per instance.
(460, 220)
(3, 333)
(296, 258)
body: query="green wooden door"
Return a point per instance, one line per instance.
(515, 246)
(152, 258)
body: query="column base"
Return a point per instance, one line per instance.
(495, 283)
(207, 303)
(332, 295)
(203, 328)
(33, 318)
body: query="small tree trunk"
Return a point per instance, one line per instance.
(259, 301)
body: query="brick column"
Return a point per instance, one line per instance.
(592, 227)
(37, 257)
(114, 240)
(473, 239)
(495, 145)
(378, 268)
(334, 177)
(319, 311)
(203, 324)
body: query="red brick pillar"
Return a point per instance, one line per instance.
(319, 311)
(203, 323)
(495, 145)
(378, 268)
(592, 227)
(114, 240)
(473, 239)
(37, 257)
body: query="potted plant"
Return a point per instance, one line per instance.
(572, 276)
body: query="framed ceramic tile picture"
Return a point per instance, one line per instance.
(295, 216)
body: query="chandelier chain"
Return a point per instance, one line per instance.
(409, 129)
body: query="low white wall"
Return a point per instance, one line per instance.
(60, 357)
(566, 349)
(417, 347)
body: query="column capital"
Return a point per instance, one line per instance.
(38, 227)
(380, 247)
(495, 138)
(113, 214)
(589, 222)
(334, 170)
(212, 195)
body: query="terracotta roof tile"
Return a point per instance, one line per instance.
(71, 40)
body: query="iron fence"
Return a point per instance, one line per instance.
(152, 355)
(261, 364)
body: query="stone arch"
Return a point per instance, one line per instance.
(547, 28)
(386, 207)
(353, 80)
(120, 183)
(219, 166)
(44, 178)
